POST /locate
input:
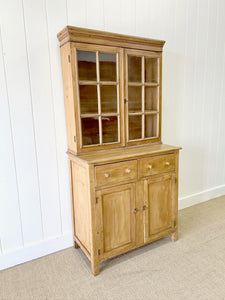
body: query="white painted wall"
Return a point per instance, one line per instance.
(34, 180)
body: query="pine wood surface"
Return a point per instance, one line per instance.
(76, 34)
(124, 181)
(102, 157)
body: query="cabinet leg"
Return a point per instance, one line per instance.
(95, 267)
(76, 245)
(174, 236)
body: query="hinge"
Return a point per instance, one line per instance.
(96, 200)
(175, 180)
(74, 138)
(174, 223)
(98, 251)
(125, 101)
(69, 58)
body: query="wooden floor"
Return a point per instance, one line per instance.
(191, 268)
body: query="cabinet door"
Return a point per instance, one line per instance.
(98, 90)
(143, 95)
(115, 217)
(158, 201)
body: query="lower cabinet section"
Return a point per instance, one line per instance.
(111, 220)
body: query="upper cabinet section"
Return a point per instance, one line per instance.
(112, 89)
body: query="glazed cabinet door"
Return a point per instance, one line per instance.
(143, 96)
(115, 217)
(98, 80)
(158, 205)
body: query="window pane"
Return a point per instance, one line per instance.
(151, 98)
(108, 98)
(134, 69)
(151, 70)
(88, 99)
(151, 125)
(134, 98)
(90, 131)
(86, 65)
(109, 129)
(134, 127)
(107, 66)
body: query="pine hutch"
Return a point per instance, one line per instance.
(124, 181)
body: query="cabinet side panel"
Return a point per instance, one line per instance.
(68, 96)
(81, 204)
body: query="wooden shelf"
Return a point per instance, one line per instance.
(99, 115)
(151, 84)
(147, 112)
(89, 82)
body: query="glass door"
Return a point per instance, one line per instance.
(142, 90)
(99, 87)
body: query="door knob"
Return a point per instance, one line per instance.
(144, 207)
(135, 211)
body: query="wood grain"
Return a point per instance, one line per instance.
(76, 34)
(125, 197)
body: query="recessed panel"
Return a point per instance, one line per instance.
(159, 196)
(135, 127)
(109, 129)
(90, 131)
(86, 65)
(107, 67)
(134, 69)
(108, 98)
(88, 99)
(116, 219)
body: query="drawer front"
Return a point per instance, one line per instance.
(156, 165)
(115, 173)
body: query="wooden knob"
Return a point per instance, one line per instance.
(107, 175)
(167, 163)
(135, 210)
(150, 166)
(144, 207)
(128, 170)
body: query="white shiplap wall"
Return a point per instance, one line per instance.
(35, 214)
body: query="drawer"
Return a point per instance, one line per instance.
(115, 173)
(156, 165)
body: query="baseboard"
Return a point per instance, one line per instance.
(39, 249)
(201, 197)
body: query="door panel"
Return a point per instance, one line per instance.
(158, 203)
(99, 107)
(143, 97)
(117, 222)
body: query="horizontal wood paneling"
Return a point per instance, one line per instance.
(34, 176)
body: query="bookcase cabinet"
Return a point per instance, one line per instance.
(124, 181)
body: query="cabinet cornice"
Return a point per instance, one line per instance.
(85, 35)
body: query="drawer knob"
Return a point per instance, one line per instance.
(128, 170)
(167, 163)
(107, 175)
(150, 167)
